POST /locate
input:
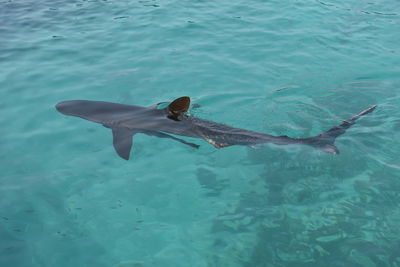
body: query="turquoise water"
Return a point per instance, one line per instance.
(281, 67)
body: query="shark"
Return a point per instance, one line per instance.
(171, 119)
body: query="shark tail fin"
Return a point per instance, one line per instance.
(325, 141)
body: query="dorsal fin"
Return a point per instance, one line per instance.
(178, 107)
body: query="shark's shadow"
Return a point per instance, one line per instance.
(126, 121)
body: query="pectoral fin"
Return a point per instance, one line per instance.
(122, 141)
(164, 135)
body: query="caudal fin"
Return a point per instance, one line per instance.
(325, 141)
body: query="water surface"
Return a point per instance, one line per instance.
(298, 68)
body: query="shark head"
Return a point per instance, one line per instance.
(178, 108)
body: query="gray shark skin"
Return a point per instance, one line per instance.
(126, 121)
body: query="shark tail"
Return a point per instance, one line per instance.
(326, 141)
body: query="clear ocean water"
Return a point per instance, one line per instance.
(281, 67)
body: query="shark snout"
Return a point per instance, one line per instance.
(71, 107)
(63, 106)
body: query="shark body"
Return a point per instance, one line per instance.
(126, 120)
